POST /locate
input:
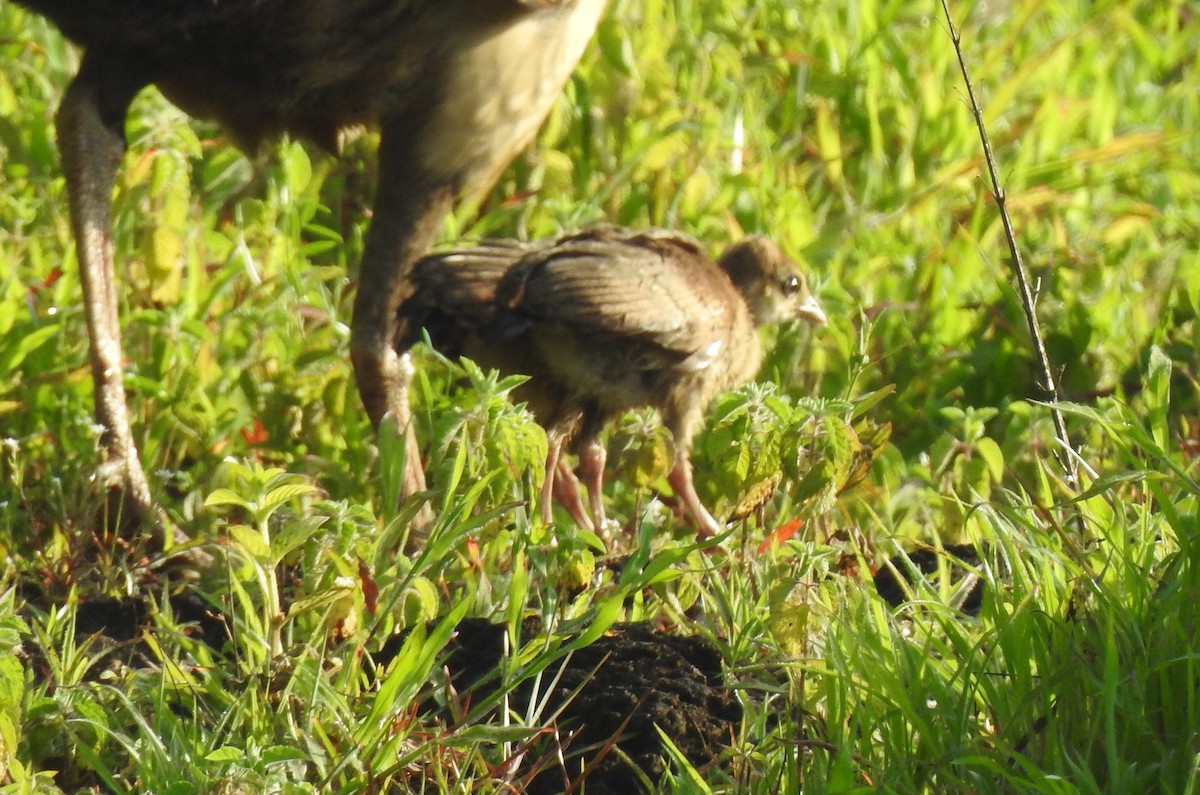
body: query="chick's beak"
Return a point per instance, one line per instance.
(811, 311)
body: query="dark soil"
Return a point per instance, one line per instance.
(117, 626)
(612, 694)
(124, 618)
(925, 562)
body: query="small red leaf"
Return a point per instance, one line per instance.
(473, 554)
(518, 197)
(255, 435)
(48, 282)
(780, 534)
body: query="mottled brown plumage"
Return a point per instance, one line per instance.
(607, 321)
(456, 87)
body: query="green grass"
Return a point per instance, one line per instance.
(912, 419)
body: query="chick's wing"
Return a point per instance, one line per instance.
(648, 288)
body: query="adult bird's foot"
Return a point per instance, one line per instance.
(130, 513)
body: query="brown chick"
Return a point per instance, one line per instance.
(610, 320)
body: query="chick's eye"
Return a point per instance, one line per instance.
(790, 285)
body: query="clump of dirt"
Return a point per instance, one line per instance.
(604, 702)
(893, 582)
(125, 618)
(117, 624)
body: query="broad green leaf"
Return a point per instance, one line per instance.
(868, 401)
(298, 168)
(251, 542)
(283, 753)
(322, 599)
(990, 452)
(225, 497)
(13, 353)
(226, 753)
(294, 534)
(420, 602)
(8, 314)
(1158, 388)
(281, 495)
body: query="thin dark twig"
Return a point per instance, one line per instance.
(1067, 457)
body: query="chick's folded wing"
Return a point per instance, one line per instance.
(644, 289)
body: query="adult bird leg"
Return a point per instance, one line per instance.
(407, 214)
(92, 144)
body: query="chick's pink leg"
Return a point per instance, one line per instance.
(592, 457)
(566, 492)
(554, 445)
(680, 479)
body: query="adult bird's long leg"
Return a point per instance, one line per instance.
(408, 211)
(92, 144)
